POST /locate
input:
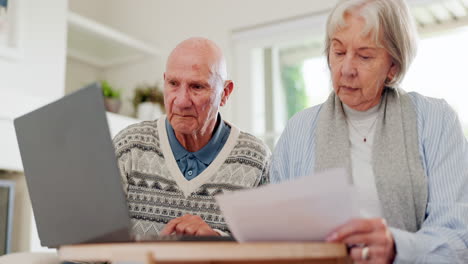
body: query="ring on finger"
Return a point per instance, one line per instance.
(365, 253)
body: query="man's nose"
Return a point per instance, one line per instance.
(348, 68)
(182, 98)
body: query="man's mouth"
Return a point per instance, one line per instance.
(184, 115)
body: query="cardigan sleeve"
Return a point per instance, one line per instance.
(443, 237)
(294, 154)
(123, 158)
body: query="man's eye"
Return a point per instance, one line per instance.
(173, 83)
(197, 86)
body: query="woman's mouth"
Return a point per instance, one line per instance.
(348, 88)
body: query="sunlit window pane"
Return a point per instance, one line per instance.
(440, 71)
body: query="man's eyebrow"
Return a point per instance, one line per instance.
(196, 81)
(169, 77)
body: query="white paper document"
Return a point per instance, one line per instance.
(305, 209)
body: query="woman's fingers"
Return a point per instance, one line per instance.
(370, 240)
(352, 227)
(358, 255)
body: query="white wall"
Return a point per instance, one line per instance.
(38, 76)
(94, 10)
(27, 82)
(40, 71)
(79, 74)
(167, 22)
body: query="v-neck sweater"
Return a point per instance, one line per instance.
(158, 192)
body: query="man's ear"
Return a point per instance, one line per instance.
(227, 90)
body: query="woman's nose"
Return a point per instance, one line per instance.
(348, 68)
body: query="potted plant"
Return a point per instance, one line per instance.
(112, 100)
(148, 101)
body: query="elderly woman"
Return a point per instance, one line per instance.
(406, 153)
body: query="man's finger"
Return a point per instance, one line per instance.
(167, 230)
(191, 230)
(170, 227)
(180, 228)
(206, 231)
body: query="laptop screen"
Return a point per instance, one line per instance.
(71, 171)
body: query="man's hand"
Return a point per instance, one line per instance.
(188, 225)
(370, 239)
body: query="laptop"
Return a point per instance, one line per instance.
(72, 173)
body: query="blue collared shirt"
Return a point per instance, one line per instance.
(191, 164)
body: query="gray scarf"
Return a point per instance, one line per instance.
(399, 176)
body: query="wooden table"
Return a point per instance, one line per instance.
(207, 252)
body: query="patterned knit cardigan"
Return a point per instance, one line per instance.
(158, 192)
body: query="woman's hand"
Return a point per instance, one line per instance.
(188, 225)
(370, 240)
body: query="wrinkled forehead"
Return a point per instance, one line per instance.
(191, 65)
(354, 34)
(356, 17)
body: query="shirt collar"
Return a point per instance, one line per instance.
(178, 150)
(361, 115)
(208, 153)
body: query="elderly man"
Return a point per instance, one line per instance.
(172, 167)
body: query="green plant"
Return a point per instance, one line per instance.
(294, 85)
(148, 93)
(108, 91)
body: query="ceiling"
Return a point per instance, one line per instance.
(441, 15)
(432, 17)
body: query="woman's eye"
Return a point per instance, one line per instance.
(365, 57)
(337, 53)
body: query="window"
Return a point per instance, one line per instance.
(440, 71)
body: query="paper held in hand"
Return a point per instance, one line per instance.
(306, 209)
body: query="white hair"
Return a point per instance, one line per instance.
(389, 19)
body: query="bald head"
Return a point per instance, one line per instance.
(204, 51)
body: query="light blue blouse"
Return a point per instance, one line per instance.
(443, 237)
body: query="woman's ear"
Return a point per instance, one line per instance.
(392, 72)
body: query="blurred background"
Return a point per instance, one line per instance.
(274, 51)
